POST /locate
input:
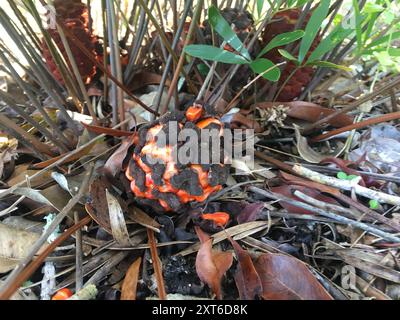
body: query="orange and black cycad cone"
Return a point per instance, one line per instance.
(164, 183)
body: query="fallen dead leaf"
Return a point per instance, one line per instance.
(145, 78)
(142, 218)
(238, 231)
(97, 207)
(300, 110)
(57, 196)
(250, 212)
(20, 173)
(107, 131)
(247, 279)
(128, 290)
(34, 195)
(287, 278)
(370, 262)
(14, 246)
(24, 224)
(114, 164)
(211, 265)
(67, 160)
(117, 220)
(309, 111)
(309, 154)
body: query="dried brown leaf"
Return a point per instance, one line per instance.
(287, 278)
(72, 158)
(107, 131)
(238, 231)
(142, 218)
(250, 212)
(310, 112)
(14, 245)
(117, 220)
(308, 153)
(128, 290)
(34, 142)
(145, 78)
(211, 265)
(371, 262)
(247, 279)
(20, 173)
(97, 207)
(114, 164)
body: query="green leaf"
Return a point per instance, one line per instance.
(313, 27)
(220, 25)
(261, 65)
(388, 16)
(327, 64)
(371, 23)
(394, 52)
(203, 69)
(301, 3)
(260, 4)
(207, 52)
(372, 8)
(332, 40)
(287, 55)
(358, 17)
(373, 204)
(351, 177)
(298, 3)
(341, 175)
(281, 40)
(384, 40)
(384, 58)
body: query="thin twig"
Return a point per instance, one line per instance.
(156, 265)
(346, 185)
(78, 256)
(388, 86)
(362, 124)
(385, 235)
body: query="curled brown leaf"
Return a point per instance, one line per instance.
(211, 265)
(114, 164)
(247, 279)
